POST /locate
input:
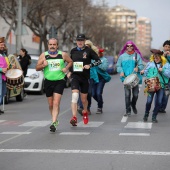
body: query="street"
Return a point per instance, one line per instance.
(109, 141)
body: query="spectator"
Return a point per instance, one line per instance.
(4, 63)
(25, 60)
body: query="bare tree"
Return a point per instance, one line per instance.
(69, 17)
(8, 12)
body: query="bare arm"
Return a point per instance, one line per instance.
(68, 60)
(41, 62)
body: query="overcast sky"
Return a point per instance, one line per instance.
(157, 10)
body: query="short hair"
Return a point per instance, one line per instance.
(52, 39)
(167, 42)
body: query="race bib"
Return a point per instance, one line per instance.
(78, 66)
(54, 65)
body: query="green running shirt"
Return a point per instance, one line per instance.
(53, 71)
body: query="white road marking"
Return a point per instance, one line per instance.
(75, 133)
(6, 140)
(102, 152)
(124, 119)
(16, 133)
(2, 121)
(36, 123)
(90, 124)
(32, 128)
(134, 134)
(139, 125)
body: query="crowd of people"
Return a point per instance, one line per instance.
(156, 72)
(86, 67)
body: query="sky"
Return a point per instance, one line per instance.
(156, 10)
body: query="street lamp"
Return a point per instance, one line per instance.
(19, 27)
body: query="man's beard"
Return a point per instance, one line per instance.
(1, 51)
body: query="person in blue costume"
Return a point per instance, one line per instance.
(166, 51)
(130, 61)
(100, 77)
(156, 68)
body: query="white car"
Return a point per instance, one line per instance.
(34, 80)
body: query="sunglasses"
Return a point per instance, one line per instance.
(129, 46)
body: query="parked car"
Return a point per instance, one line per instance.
(112, 65)
(34, 80)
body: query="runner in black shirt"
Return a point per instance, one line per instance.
(80, 74)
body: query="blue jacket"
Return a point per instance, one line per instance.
(100, 69)
(126, 65)
(152, 71)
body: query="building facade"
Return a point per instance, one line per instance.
(28, 39)
(125, 19)
(143, 35)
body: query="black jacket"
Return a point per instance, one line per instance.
(24, 61)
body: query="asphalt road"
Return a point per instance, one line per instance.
(109, 142)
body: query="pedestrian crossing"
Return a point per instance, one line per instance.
(36, 123)
(130, 129)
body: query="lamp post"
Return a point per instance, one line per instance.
(81, 21)
(19, 27)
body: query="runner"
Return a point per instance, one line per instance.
(52, 62)
(80, 74)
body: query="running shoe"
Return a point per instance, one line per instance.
(135, 111)
(99, 111)
(85, 117)
(73, 121)
(127, 114)
(53, 126)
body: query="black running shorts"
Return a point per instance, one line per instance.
(54, 87)
(79, 83)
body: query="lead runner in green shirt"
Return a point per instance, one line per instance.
(52, 62)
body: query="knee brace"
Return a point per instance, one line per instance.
(75, 97)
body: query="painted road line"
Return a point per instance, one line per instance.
(7, 122)
(2, 121)
(139, 125)
(36, 123)
(16, 133)
(124, 119)
(6, 140)
(75, 133)
(100, 152)
(134, 134)
(32, 128)
(90, 124)
(41, 123)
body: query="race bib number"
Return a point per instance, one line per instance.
(54, 65)
(78, 66)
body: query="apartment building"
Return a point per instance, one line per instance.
(143, 35)
(125, 19)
